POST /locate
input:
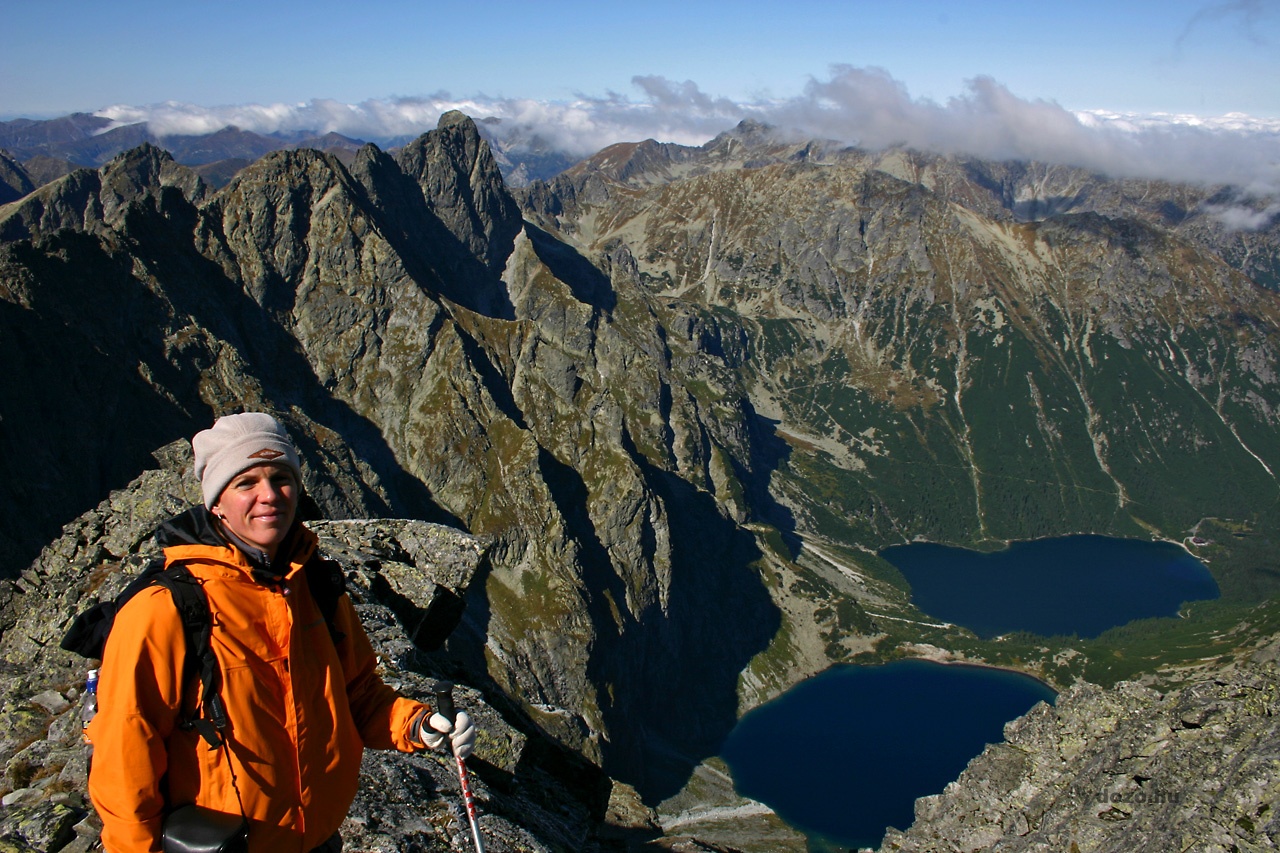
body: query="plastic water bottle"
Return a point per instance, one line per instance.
(89, 708)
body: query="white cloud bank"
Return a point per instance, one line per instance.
(861, 106)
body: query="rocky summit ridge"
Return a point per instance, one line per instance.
(684, 394)
(1121, 770)
(407, 579)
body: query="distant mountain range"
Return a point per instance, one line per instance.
(51, 148)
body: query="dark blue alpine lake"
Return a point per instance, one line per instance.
(846, 753)
(1079, 585)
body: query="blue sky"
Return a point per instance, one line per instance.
(1132, 87)
(1186, 56)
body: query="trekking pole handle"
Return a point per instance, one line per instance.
(443, 691)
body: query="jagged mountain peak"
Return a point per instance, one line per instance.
(644, 162)
(451, 118)
(101, 199)
(148, 167)
(459, 179)
(454, 157)
(749, 132)
(287, 165)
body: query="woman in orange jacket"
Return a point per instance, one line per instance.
(301, 706)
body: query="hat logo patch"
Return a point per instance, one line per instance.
(267, 453)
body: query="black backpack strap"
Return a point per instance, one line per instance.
(210, 717)
(327, 585)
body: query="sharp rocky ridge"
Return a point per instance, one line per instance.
(673, 387)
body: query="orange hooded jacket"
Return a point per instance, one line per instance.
(301, 709)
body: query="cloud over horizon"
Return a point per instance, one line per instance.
(857, 106)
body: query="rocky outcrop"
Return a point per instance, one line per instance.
(1120, 770)
(407, 579)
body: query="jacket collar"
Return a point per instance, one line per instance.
(197, 526)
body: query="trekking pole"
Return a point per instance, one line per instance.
(444, 707)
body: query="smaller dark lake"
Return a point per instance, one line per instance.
(1079, 585)
(843, 755)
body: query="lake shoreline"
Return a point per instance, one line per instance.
(946, 657)
(1005, 543)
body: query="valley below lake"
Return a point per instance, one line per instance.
(845, 754)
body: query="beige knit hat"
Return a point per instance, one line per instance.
(235, 444)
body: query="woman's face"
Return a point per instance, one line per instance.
(259, 505)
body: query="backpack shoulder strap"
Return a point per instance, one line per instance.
(87, 636)
(327, 585)
(210, 716)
